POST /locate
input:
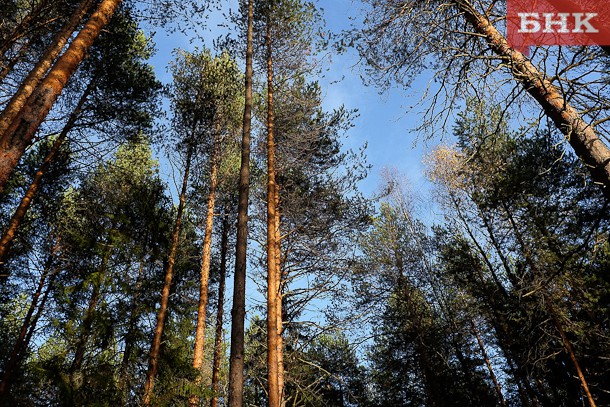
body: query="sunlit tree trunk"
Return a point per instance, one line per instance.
(272, 243)
(582, 137)
(169, 274)
(238, 311)
(21, 131)
(27, 87)
(206, 256)
(224, 242)
(570, 351)
(24, 205)
(279, 287)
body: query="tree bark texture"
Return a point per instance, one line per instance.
(26, 201)
(224, 242)
(205, 269)
(582, 137)
(238, 311)
(27, 87)
(272, 243)
(169, 274)
(20, 133)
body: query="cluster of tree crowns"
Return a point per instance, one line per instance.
(112, 293)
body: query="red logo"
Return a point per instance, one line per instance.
(557, 22)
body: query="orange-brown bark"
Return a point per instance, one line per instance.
(24, 204)
(27, 87)
(224, 242)
(582, 137)
(272, 243)
(205, 269)
(169, 274)
(20, 133)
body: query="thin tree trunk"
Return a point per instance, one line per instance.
(567, 345)
(475, 331)
(20, 133)
(580, 134)
(22, 342)
(19, 30)
(205, 271)
(24, 205)
(132, 325)
(570, 351)
(19, 99)
(81, 346)
(224, 242)
(238, 311)
(169, 273)
(272, 246)
(6, 69)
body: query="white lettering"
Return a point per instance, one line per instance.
(580, 22)
(529, 26)
(562, 23)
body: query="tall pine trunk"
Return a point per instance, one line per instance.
(279, 289)
(27, 87)
(570, 351)
(272, 242)
(24, 205)
(224, 242)
(494, 379)
(21, 131)
(582, 137)
(238, 311)
(205, 269)
(169, 274)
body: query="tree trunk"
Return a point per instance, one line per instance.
(238, 311)
(19, 99)
(130, 335)
(7, 68)
(279, 287)
(570, 351)
(220, 312)
(24, 205)
(272, 244)
(580, 134)
(475, 331)
(79, 353)
(19, 30)
(169, 273)
(205, 270)
(20, 133)
(27, 326)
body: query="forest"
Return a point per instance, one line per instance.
(206, 240)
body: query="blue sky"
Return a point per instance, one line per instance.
(385, 124)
